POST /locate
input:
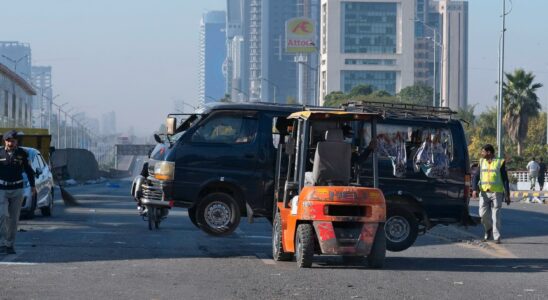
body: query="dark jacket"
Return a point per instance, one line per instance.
(477, 175)
(12, 168)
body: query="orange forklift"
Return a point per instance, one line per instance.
(320, 207)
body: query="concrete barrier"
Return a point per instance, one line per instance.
(77, 164)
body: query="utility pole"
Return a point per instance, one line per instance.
(500, 150)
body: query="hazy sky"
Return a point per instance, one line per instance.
(137, 56)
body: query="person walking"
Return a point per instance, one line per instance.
(541, 173)
(13, 162)
(491, 181)
(533, 169)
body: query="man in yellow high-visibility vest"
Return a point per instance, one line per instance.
(492, 184)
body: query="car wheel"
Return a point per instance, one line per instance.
(304, 245)
(401, 229)
(375, 259)
(218, 214)
(47, 210)
(278, 253)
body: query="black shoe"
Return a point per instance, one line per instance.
(497, 241)
(10, 250)
(487, 236)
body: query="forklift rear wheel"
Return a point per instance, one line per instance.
(375, 259)
(401, 229)
(218, 214)
(304, 245)
(278, 253)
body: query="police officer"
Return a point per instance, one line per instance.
(492, 183)
(13, 162)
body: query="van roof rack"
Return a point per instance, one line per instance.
(400, 109)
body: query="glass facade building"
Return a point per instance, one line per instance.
(369, 27)
(381, 80)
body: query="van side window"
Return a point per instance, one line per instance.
(227, 129)
(429, 149)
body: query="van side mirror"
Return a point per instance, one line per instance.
(158, 139)
(171, 125)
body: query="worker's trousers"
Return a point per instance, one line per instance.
(489, 210)
(10, 208)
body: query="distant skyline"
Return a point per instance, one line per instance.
(136, 57)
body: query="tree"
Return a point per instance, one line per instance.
(468, 117)
(416, 94)
(361, 89)
(226, 98)
(520, 104)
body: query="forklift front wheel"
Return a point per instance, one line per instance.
(278, 253)
(304, 245)
(218, 214)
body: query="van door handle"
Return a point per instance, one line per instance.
(249, 155)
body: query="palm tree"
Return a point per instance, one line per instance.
(520, 104)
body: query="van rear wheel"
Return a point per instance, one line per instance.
(218, 214)
(401, 229)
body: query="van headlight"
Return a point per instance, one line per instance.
(164, 170)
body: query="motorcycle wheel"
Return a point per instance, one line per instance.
(151, 214)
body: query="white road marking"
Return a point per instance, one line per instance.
(7, 263)
(265, 259)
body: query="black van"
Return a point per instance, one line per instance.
(221, 166)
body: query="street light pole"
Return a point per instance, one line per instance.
(500, 151)
(59, 124)
(275, 86)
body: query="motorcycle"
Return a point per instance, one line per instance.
(148, 197)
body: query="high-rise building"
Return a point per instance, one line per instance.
(108, 123)
(272, 73)
(441, 47)
(42, 102)
(212, 56)
(454, 74)
(236, 62)
(16, 90)
(258, 67)
(366, 42)
(17, 57)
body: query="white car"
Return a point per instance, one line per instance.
(44, 187)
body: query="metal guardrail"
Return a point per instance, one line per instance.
(523, 176)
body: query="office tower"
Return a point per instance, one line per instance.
(454, 75)
(42, 102)
(366, 42)
(108, 123)
(17, 57)
(212, 56)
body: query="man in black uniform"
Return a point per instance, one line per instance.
(13, 162)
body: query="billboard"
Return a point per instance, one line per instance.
(300, 34)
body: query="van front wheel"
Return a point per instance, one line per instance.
(218, 214)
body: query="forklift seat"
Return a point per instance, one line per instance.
(332, 160)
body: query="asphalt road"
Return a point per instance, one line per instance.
(103, 250)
